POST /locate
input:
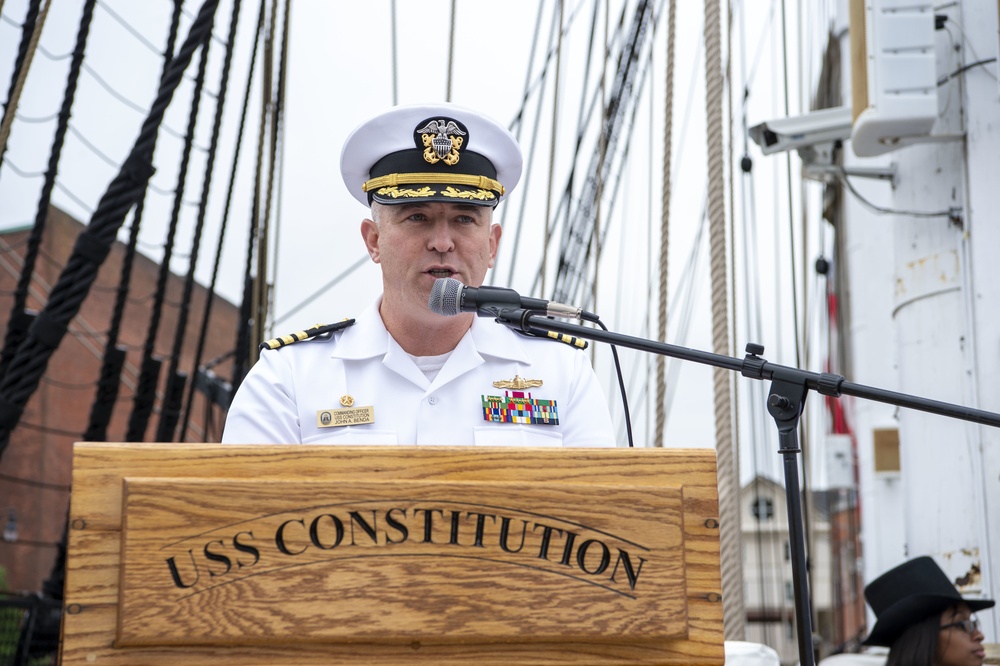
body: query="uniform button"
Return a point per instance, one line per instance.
(433, 400)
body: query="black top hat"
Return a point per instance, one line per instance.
(909, 593)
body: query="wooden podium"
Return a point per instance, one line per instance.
(195, 554)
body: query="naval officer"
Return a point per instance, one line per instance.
(400, 373)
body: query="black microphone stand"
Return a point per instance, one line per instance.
(785, 402)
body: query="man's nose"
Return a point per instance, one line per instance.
(440, 237)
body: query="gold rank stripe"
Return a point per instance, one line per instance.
(568, 339)
(311, 332)
(288, 339)
(393, 179)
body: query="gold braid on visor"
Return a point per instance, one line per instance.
(393, 179)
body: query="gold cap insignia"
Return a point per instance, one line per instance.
(517, 383)
(442, 140)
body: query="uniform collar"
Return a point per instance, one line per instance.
(493, 339)
(368, 338)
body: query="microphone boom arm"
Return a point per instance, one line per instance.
(752, 366)
(785, 402)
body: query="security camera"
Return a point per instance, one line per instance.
(803, 132)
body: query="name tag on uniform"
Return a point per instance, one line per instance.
(335, 418)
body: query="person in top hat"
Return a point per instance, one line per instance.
(432, 176)
(922, 618)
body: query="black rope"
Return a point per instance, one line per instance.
(149, 375)
(241, 358)
(264, 235)
(170, 412)
(248, 308)
(578, 238)
(27, 29)
(93, 244)
(210, 296)
(114, 356)
(18, 323)
(276, 179)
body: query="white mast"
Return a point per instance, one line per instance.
(945, 323)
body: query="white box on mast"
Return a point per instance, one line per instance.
(894, 76)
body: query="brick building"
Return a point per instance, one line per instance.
(35, 468)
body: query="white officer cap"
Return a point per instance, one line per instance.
(430, 152)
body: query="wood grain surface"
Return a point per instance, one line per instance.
(388, 585)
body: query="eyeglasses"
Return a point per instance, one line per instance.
(970, 626)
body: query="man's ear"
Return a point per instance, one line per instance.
(370, 234)
(495, 232)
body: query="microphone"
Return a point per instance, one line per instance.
(451, 297)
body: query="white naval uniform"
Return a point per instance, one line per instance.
(280, 398)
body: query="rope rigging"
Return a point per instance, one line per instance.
(602, 154)
(149, 377)
(734, 614)
(276, 161)
(35, 119)
(577, 240)
(532, 86)
(93, 244)
(114, 354)
(131, 29)
(451, 52)
(627, 121)
(117, 94)
(395, 57)
(668, 130)
(518, 124)
(210, 295)
(176, 381)
(19, 319)
(39, 290)
(254, 304)
(584, 119)
(613, 173)
(750, 280)
(30, 34)
(583, 234)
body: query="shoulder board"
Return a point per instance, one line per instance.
(311, 332)
(570, 340)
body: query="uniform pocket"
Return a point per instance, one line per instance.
(350, 436)
(503, 435)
